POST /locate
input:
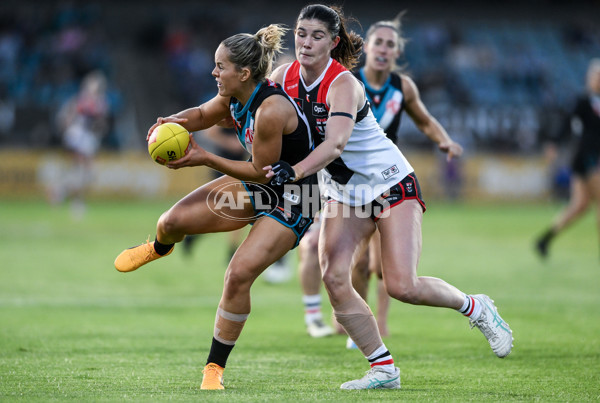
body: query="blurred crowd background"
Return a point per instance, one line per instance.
(501, 76)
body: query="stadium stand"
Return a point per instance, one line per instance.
(494, 74)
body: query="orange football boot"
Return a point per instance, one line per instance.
(133, 258)
(213, 377)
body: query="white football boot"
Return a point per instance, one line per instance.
(317, 328)
(375, 378)
(493, 327)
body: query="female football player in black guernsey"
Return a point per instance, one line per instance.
(270, 126)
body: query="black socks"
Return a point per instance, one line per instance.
(161, 248)
(219, 353)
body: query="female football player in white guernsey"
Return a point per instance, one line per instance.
(369, 185)
(270, 126)
(390, 93)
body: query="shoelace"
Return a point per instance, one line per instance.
(482, 324)
(149, 253)
(147, 256)
(213, 373)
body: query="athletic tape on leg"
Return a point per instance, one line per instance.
(360, 324)
(228, 326)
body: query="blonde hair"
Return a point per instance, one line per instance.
(256, 52)
(395, 24)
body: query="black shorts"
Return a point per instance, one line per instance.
(407, 189)
(584, 163)
(293, 205)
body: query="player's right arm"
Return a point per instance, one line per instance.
(200, 117)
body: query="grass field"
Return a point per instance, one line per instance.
(73, 328)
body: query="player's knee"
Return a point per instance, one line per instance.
(309, 243)
(336, 283)
(169, 223)
(407, 293)
(237, 280)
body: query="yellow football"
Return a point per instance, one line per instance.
(168, 142)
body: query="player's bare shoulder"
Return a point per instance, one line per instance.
(409, 88)
(276, 112)
(346, 87)
(279, 72)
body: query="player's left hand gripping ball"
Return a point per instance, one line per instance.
(283, 173)
(168, 142)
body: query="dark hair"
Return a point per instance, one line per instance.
(395, 24)
(256, 51)
(348, 50)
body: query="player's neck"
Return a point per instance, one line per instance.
(245, 93)
(376, 78)
(311, 73)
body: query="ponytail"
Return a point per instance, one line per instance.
(257, 51)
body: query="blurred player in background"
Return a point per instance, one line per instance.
(370, 186)
(585, 167)
(271, 126)
(83, 120)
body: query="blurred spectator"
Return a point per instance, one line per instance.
(83, 121)
(480, 67)
(7, 112)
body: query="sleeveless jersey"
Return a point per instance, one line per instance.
(370, 163)
(295, 146)
(387, 103)
(293, 205)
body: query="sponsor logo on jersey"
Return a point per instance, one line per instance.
(391, 171)
(319, 109)
(291, 87)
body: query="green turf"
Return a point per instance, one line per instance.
(73, 328)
